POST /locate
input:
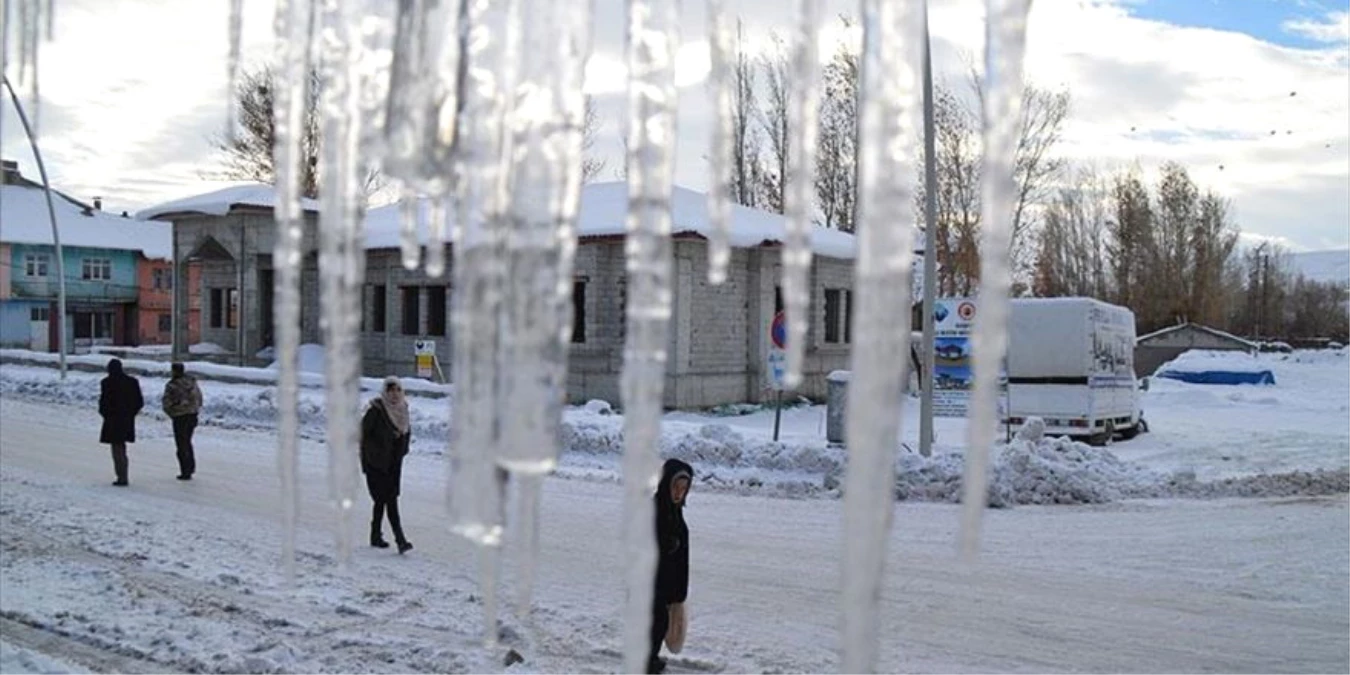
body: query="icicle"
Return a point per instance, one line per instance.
(721, 48)
(652, 104)
(232, 63)
(294, 32)
(1005, 36)
(409, 208)
(546, 149)
(30, 31)
(420, 125)
(482, 173)
(342, 254)
(51, 20)
(889, 133)
(436, 238)
(797, 194)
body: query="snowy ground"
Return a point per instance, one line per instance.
(183, 576)
(171, 576)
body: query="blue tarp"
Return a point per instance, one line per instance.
(1220, 376)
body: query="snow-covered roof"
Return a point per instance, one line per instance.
(1212, 331)
(24, 220)
(220, 202)
(604, 209)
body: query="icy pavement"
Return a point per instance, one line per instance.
(186, 575)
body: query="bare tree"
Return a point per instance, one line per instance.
(745, 180)
(591, 165)
(958, 162)
(1071, 255)
(1132, 241)
(773, 117)
(836, 157)
(249, 155)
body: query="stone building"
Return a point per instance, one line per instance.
(719, 343)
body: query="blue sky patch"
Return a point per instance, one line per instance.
(1261, 19)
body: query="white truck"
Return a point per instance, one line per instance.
(1071, 363)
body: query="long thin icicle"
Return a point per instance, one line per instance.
(721, 52)
(889, 129)
(482, 192)
(652, 103)
(547, 121)
(294, 32)
(803, 129)
(342, 254)
(1005, 37)
(421, 115)
(232, 63)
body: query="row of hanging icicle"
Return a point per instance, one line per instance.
(475, 108)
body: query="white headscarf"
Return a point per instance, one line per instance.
(395, 404)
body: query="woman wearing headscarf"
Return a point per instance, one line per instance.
(386, 433)
(119, 401)
(672, 567)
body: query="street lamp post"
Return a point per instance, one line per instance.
(56, 235)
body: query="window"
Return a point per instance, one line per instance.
(217, 307)
(379, 311)
(96, 269)
(578, 312)
(232, 319)
(435, 310)
(93, 325)
(36, 264)
(838, 312)
(412, 320)
(39, 314)
(162, 279)
(165, 322)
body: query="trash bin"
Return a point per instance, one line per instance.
(836, 399)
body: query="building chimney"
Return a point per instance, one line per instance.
(10, 172)
(98, 203)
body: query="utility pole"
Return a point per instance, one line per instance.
(929, 247)
(56, 235)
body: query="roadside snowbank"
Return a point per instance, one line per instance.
(1035, 471)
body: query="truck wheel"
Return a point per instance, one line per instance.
(1105, 437)
(1131, 432)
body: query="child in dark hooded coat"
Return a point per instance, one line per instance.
(672, 540)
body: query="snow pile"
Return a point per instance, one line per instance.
(1048, 471)
(207, 348)
(310, 357)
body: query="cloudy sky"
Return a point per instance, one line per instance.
(132, 90)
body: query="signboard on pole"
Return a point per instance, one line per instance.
(953, 376)
(425, 351)
(777, 358)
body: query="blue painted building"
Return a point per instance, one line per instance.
(100, 253)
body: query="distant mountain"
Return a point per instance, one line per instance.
(1323, 265)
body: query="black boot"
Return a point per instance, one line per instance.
(376, 537)
(403, 546)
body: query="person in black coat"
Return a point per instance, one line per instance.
(386, 434)
(672, 542)
(119, 401)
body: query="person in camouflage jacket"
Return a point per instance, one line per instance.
(182, 402)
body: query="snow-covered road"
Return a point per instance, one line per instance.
(185, 575)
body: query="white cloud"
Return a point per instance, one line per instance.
(129, 98)
(1334, 28)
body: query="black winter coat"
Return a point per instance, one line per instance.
(672, 538)
(119, 401)
(382, 452)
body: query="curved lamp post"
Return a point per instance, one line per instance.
(56, 235)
